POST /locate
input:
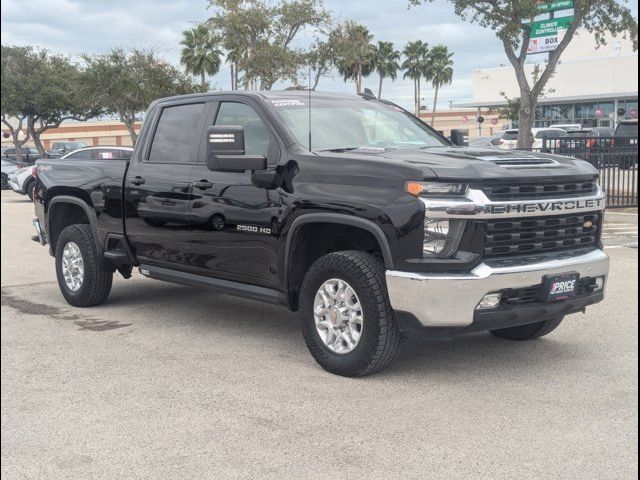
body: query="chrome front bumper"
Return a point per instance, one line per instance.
(451, 300)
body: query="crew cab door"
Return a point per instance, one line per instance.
(157, 186)
(233, 222)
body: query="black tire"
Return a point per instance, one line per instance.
(29, 189)
(96, 285)
(5, 182)
(530, 331)
(380, 338)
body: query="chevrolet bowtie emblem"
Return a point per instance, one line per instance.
(588, 224)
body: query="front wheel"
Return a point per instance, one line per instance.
(530, 331)
(345, 314)
(83, 281)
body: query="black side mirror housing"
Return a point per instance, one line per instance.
(457, 137)
(226, 151)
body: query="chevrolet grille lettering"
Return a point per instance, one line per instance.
(556, 206)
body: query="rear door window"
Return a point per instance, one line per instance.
(511, 135)
(177, 134)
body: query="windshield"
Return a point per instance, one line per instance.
(349, 124)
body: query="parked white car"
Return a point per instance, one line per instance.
(99, 153)
(22, 181)
(567, 127)
(491, 141)
(510, 138)
(8, 167)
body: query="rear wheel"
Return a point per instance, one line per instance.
(346, 318)
(528, 332)
(82, 279)
(5, 182)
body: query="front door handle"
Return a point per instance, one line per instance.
(203, 184)
(137, 180)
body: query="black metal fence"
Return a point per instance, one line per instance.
(615, 157)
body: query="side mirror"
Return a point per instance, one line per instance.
(226, 153)
(457, 137)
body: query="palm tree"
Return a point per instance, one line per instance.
(201, 54)
(414, 65)
(356, 53)
(234, 57)
(439, 71)
(386, 63)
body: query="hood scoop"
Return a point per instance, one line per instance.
(525, 162)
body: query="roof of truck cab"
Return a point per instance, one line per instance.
(264, 94)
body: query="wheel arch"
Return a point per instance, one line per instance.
(290, 276)
(75, 210)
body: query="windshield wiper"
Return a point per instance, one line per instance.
(338, 150)
(365, 148)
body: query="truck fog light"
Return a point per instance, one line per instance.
(599, 284)
(435, 235)
(441, 236)
(491, 300)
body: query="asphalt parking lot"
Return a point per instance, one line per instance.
(166, 381)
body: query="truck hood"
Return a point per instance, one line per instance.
(482, 164)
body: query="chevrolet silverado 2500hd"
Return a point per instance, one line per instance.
(347, 209)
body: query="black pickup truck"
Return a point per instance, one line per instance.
(345, 208)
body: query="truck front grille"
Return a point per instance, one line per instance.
(554, 190)
(530, 236)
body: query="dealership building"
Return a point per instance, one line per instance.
(591, 86)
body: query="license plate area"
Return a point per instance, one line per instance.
(560, 287)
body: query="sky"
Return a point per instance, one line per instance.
(74, 27)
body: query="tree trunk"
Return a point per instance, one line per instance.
(525, 121)
(232, 77)
(15, 134)
(380, 87)
(203, 80)
(130, 124)
(415, 97)
(419, 99)
(236, 80)
(435, 102)
(35, 133)
(18, 145)
(359, 79)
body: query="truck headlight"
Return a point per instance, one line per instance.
(436, 189)
(441, 237)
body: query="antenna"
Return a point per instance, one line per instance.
(309, 105)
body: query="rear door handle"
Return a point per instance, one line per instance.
(203, 184)
(137, 180)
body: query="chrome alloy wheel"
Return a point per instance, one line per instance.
(338, 316)
(72, 266)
